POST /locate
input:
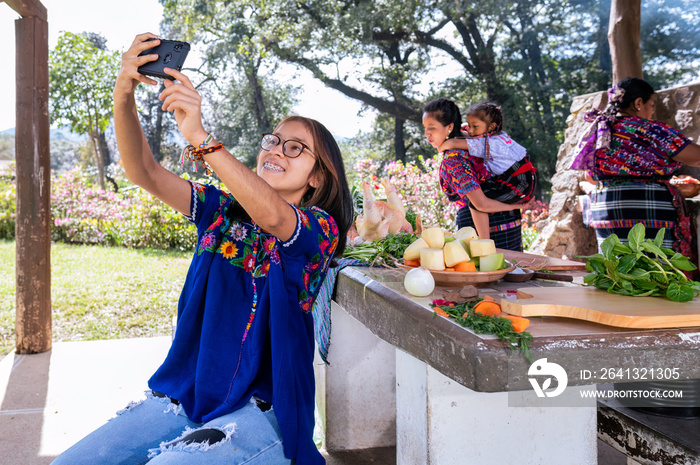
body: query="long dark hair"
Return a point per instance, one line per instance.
(634, 88)
(332, 194)
(488, 113)
(446, 112)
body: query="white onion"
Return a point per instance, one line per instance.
(419, 282)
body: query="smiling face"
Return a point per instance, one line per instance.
(435, 132)
(290, 177)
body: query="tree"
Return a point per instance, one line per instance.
(81, 77)
(237, 76)
(670, 46)
(530, 56)
(351, 47)
(7, 147)
(625, 37)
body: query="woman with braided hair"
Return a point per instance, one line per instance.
(632, 158)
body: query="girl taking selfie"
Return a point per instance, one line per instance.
(237, 385)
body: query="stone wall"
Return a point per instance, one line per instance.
(564, 234)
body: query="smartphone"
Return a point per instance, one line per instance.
(171, 54)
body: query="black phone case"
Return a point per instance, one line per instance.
(171, 54)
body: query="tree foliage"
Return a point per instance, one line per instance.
(237, 76)
(82, 73)
(670, 41)
(529, 56)
(7, 147)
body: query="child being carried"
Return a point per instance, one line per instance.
(502, 164)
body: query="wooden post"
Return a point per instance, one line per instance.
(33, 234)
(624, 36)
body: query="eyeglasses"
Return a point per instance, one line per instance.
(290, 148)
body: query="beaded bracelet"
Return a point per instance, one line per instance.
(207, 141)
(197, 155)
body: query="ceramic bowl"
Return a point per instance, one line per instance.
(526, 275)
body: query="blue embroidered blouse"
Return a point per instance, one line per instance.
(244, 319)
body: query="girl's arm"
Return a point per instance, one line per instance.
(689, 155)
(487, 205)
(136, 157)
(454, 143)
(264, 205)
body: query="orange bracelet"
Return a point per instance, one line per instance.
(194, 155)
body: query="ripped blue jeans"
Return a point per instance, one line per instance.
(157, 432)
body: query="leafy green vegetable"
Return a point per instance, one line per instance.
(367, 251)
(383, 251)
(499, 327)
(641, 267)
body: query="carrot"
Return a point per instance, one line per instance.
(441, 312)
(488, 297)
(487, 308)
(411, 262)
(465, 266)
(519, 323)
(449, 268)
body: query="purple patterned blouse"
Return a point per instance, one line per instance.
(640, 147)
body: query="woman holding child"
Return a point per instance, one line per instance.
(485, 172)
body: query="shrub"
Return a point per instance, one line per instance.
(534, 214)
(82, 213)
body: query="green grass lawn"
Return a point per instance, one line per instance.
(100, 292)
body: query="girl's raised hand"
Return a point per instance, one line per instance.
(129, 76)
(184, 101)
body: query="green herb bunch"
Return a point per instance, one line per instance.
(641, 267)
(502, 328)
(383, 251)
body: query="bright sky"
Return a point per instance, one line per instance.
(119, 23)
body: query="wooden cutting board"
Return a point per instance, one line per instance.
(591, 304)
(541, 262)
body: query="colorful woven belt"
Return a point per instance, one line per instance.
(629, 223)
(505, 226)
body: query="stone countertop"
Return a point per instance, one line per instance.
(376, 297)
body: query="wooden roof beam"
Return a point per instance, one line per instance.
(28, 8)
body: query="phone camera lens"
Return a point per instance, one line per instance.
(178, 47)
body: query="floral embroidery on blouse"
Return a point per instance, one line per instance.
(244, 245)
(199, 189)
(237, 244)
(314, 271)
